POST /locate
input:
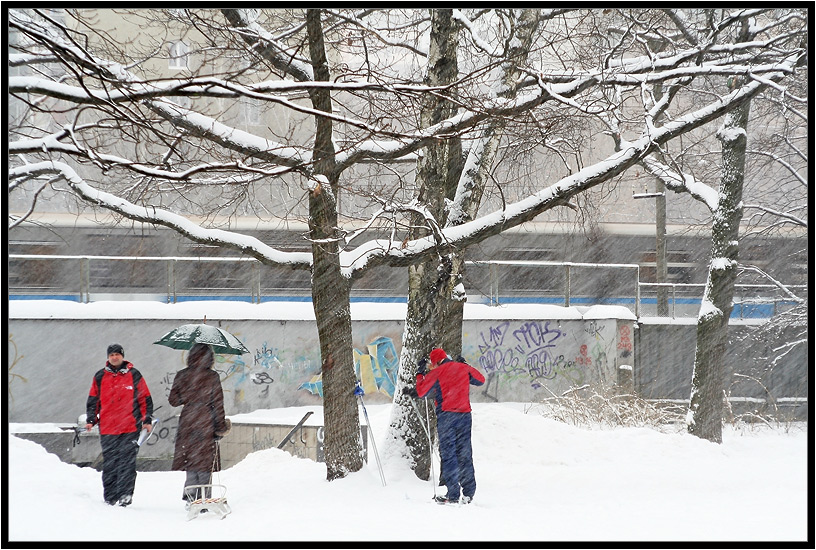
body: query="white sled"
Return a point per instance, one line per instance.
(212, 505)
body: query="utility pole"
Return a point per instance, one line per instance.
(660, 250)
(661, 266)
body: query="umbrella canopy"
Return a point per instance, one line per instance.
(185, 336)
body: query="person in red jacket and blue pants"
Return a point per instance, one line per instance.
(120, 403)
(449, 383)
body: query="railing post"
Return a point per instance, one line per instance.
(494, 285)
(674, 301)
(84, 280)
(637, 292)
(256, 282)
(171, 282)
(567, 287)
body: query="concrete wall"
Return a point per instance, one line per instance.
(84, 448)
(664, 360)
(52, 361)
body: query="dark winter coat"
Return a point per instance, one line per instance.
(119, 400)
(198, 388)
(449, 383)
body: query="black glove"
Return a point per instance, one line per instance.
(461, 359)
(410, 391)
(422, 366)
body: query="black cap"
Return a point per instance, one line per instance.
(116, 348)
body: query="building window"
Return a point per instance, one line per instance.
(179, 53)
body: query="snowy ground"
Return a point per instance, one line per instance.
(538, 480)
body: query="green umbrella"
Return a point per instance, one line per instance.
(185, 336)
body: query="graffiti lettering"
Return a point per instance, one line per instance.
(599, 355)
(499, 361)
(539, 364)
(529, 353)
(162, 433)
(495, 336)
(532, 334)
(594, 329)
(262, 378)
(376, 370)
(625, 343)
(263, 443)
(12, 363)
(582, 359)
(568, 370)
(267, 357)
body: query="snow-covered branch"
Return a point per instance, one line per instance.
(784, 288)
(796, 220)
(159, 216)
(52, 144)
(680, 182)
(245, 24)
(514, 214)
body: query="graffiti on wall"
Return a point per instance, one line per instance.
(526, 351)
(376, 369)
(250, 379)
(625, 341)
(538, 352)
(521, 358)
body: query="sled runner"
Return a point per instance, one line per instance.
(212, 504)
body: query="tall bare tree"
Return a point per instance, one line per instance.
(726, 204)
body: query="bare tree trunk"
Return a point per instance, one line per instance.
(330, 289)
(330, 295)
(705, 411)
(420, 333)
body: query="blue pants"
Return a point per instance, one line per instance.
(119, 465)
(456, 453)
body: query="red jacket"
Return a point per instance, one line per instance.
(119, 400)
(450, 383)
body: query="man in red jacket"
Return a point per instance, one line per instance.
(120, 403)
(449, 383)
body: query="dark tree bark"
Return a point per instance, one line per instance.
(433, 180)
(705, 411)
(330, 289)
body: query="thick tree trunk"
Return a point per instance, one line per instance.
(433, 168)
(330, 296)
(330, 289)
(705, 410)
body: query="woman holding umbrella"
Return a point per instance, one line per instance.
(202, 420)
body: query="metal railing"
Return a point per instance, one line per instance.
(493, 294)
(494, 287)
